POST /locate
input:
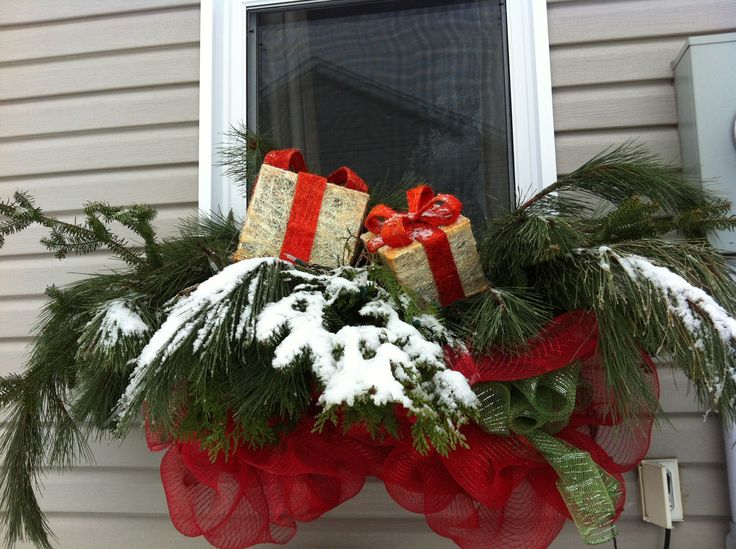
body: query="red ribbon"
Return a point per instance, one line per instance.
(569, 337)
(307, 201)
(499, 492)
(427, 212)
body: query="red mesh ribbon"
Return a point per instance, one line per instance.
(500, 492)
(307, 202)
(427, 212)
(569, 337)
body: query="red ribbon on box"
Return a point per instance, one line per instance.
(307, 202)
(427, 212)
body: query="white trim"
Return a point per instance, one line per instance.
(221, 97)
(535, 163)
(223, 55)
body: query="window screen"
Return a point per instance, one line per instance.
(388, 88)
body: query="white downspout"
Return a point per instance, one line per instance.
(729, 436)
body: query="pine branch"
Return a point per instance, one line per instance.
(657, 306)
(204, 333)
(242, 155)
(22, 448)
(621, 173)
(505, 319)
(695, 260)
(203, 248)
(517, 242)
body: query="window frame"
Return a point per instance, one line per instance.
(224, 55)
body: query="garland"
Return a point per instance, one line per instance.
(277, 386)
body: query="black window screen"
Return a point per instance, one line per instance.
(390, 87)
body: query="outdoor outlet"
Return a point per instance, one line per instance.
(659, 487)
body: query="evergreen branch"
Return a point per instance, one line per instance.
(203, 248)
(634, 219)
(695, 260)
(578, 281)
(138, 218)
(616, 175)
(65, 238)
(204, 332)
(242, 155)
(22, 448)
(505, 319)
(522, 239)
(660, 309)
(19, 212)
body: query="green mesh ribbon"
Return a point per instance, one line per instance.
(537, 408)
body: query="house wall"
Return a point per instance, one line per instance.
(98, 100)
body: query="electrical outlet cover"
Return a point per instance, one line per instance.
(659, 488)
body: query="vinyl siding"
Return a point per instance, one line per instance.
(98, 100)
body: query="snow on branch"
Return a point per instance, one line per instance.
(686, 301)
(117, 320)
(381, 358)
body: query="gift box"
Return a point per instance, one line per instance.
(430, 249)
(296, 215)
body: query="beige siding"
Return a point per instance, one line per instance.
(98, 100)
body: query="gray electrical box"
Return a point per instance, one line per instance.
(705, 87)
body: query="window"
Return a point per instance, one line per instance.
(455, 91)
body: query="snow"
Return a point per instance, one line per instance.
(452, 387)
(211, 295)
(684, 298)
(342, 281)
(363, 361)
(244, 326)
(603, 252)
(118, 320)
(183, 318)
(385, 359)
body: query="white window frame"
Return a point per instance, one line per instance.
(222, 93)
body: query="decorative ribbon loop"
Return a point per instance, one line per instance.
(589, 492)
(293, 160)
(286, 159)
(345, 177)
(301, 226)
(533, 408)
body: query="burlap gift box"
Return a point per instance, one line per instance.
(415, 267)
(301, 216)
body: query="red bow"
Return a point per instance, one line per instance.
(427, 211)
(292, 160)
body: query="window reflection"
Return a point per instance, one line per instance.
(390, 87)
